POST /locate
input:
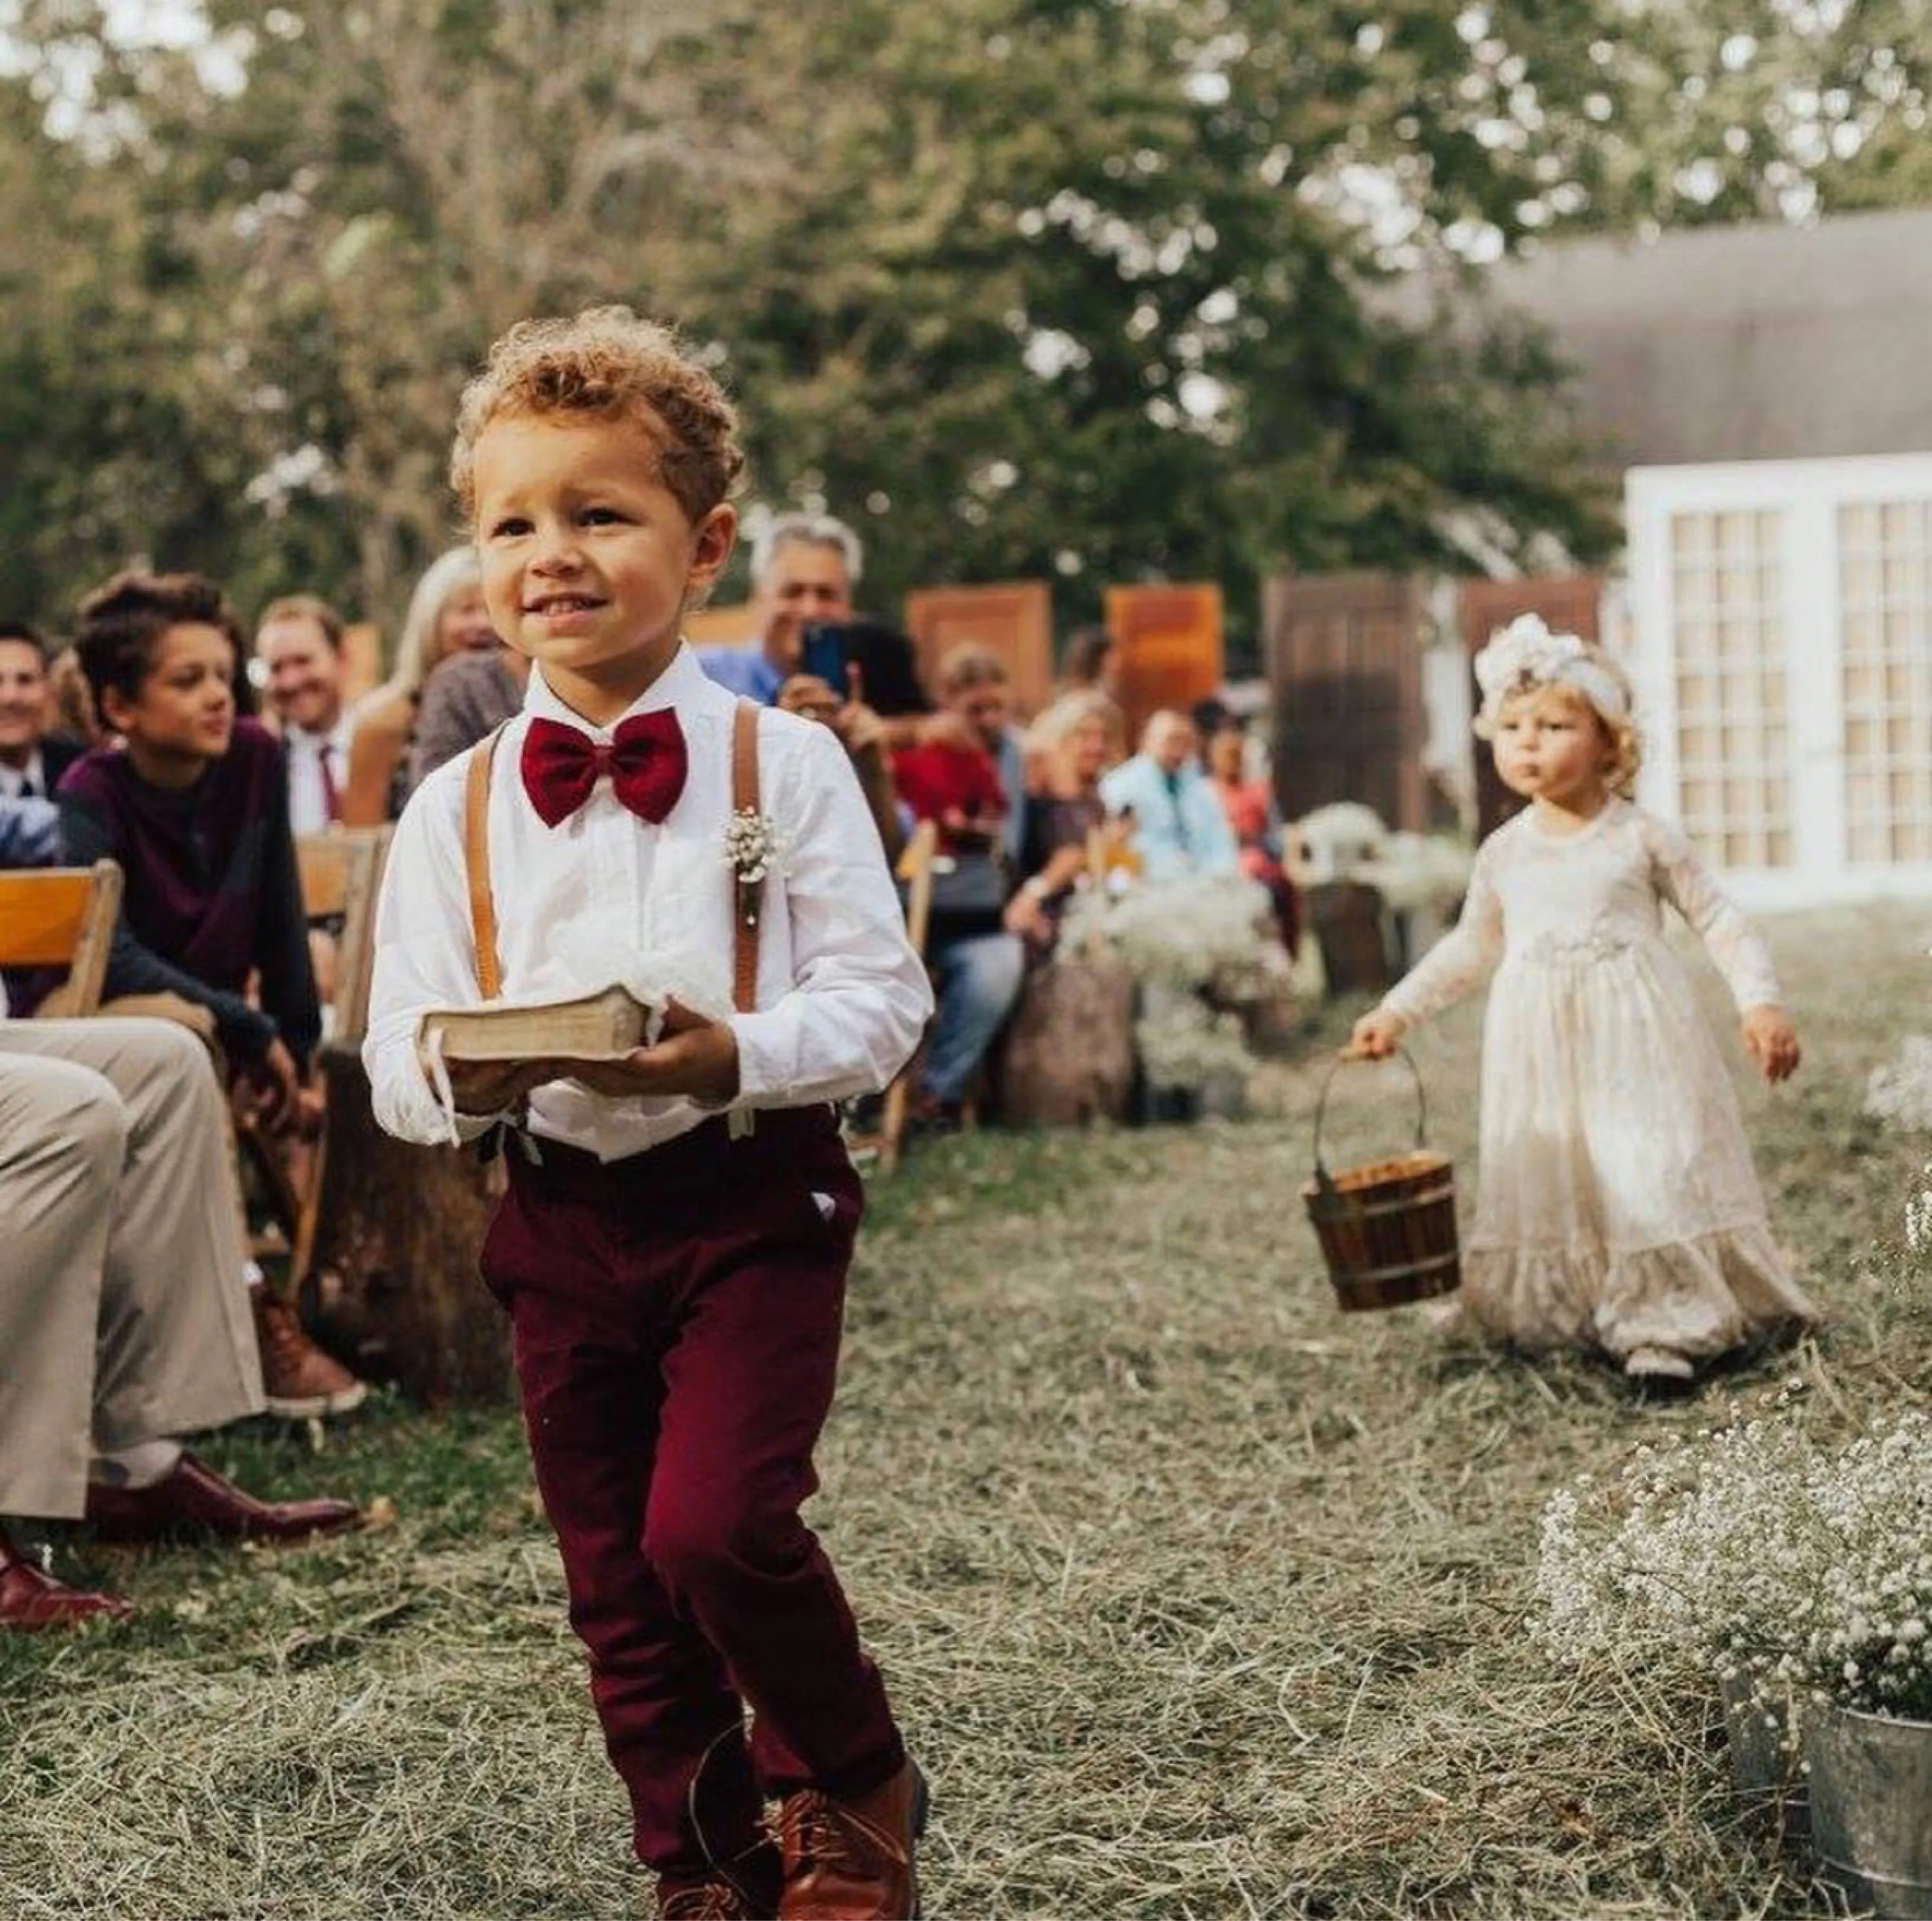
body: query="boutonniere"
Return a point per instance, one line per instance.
(755, 848)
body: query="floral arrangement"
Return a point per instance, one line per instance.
(755, 847)
(1899, 1091)
(1200, 950)
(1754, 1549)
(1526, 654)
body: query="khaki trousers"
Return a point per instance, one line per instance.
(124, 1314)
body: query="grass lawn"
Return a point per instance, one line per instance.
(1198, 1599)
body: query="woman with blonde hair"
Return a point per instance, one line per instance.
(446, 615)
(1070, 746)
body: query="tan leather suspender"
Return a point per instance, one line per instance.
(744, 900)
(476, 861)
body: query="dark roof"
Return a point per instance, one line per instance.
(1743, 343)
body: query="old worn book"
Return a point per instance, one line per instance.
(604, 1026)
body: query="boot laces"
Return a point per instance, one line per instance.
(704, 1901)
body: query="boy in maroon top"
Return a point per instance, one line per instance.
(195, 808)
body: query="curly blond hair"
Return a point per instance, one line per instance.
(608, 363)
(1626, 745)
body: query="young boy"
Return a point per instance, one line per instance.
(194, 807)
(674, 1280)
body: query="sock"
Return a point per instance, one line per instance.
(141, 1465)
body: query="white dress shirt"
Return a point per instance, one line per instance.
(308, 796)
(15, 781)
(841, 999)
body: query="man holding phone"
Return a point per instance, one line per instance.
(804, 567)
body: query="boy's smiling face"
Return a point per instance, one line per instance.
(589, 559)
(183, 715)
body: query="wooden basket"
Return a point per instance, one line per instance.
(1388, 1229)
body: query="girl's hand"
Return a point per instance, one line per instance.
(1772, 1041)
(1376, 1035)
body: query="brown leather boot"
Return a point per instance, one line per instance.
(853, 1860)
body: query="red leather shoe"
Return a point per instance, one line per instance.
(195, 1500)
(30, 1600)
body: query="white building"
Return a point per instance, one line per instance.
(1768, 391)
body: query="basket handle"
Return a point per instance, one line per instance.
(1321, 1180)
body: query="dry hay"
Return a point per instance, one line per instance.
(1198, 1599)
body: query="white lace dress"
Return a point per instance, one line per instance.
(1617, 1205)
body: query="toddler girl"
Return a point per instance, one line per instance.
(1618, 1210)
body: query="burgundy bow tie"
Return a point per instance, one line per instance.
(646, 760)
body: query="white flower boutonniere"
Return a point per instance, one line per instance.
(755, 847)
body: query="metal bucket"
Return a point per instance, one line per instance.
(1765, 1776)
(1871, 1808)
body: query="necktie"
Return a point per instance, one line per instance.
(331, 795)
(646, 760)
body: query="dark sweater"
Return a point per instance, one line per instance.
(213, 893)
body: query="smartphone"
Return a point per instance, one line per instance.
(825, 653)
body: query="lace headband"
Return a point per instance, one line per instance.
(1526, 654)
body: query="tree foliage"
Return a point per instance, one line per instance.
(1093, 289)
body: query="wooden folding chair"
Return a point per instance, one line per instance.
(915, 870)
(62, 917)
(339, 872)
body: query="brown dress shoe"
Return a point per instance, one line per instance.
(30, 1600)
(852, 1860)
(195, 1500)
(299, 1383)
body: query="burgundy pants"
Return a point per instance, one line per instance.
(676, 1320)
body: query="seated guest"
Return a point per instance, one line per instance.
(1071, 744)
(467, 696)
(299, 643)
(74, 717)
(1252, 812)
(973, 685)
(123, 1322)
(33, 756)
(194, 807)
(863, 735)
(29, 833)
(446, 616)
(804, 567)
(1179, 828)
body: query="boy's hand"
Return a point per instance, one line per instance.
(274, 1088)
(489, 1087)
(694, 1057)
(1375, 1036)
(1772, 1041)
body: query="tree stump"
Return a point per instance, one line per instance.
(1346, 917)
(1070, 1055)
(392, 1288)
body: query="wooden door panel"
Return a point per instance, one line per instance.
(1167, 644)
(1343, 653)
(1013, 620)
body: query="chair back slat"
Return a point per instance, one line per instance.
(61, 916)
(340, 872)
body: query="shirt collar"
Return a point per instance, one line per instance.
(35, 770)
(683, 684)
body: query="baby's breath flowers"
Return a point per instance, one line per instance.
(1753, 1548)
(755, 847)
(1199, 949)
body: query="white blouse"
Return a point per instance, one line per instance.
(842, 998)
